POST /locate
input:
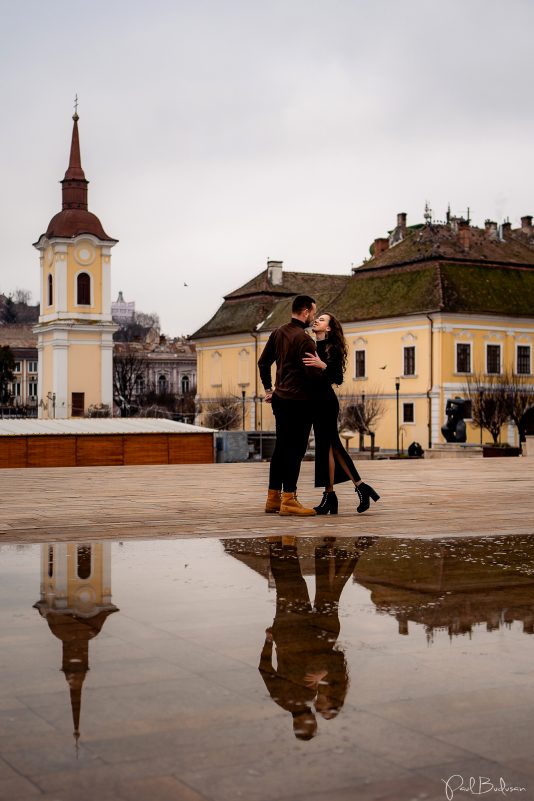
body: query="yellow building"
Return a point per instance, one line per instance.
(75, 330)
(435, 304)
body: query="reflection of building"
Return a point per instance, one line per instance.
(452, 585)
(75, 600)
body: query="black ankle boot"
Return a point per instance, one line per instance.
(365, 492)
(328, 504)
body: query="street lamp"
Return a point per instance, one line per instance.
(397, 387)
(243, 395)
(481, 413)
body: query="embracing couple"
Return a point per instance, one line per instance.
(302, 397)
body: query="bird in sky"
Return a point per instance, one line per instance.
(185, 284)
(383, 368)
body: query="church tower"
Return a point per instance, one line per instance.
(75, 329)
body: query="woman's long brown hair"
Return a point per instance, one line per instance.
(335, 340)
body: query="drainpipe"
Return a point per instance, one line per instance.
(255, 335)
(431, 380)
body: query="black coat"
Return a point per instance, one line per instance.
(325, 421)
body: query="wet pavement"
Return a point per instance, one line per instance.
(287, 668)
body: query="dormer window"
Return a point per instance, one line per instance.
(83, 289)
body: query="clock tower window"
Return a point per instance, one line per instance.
(83, 289)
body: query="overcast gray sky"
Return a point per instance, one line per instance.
(216, 135)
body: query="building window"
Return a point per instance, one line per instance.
(32, 389)
(162, 384)
(185, 384)
(32, 367)
(84, 561)
(140, 386)
(409, 360)
(50, 290)
(463, 357)
(15, 389)
(359, 364)
(408, 413)
(216, 369)
(523, 359)
(83, 289)
(493, 359)
(16, 368)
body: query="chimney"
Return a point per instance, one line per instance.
(464, 233)
(401, 220)
(380, 246)
(526, 224)
(274, 272)
(491, 229)
(506, 230)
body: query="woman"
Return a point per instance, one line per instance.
(332, 462)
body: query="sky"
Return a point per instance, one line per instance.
(218, 135)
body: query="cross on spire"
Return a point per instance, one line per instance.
(75, 116)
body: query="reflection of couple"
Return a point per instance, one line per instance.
(303, 395)
(310, 671)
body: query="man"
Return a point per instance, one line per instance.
(291, 402)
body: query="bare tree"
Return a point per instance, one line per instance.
(22, 296)
(519, 396)
(361, 412)
(489, 407)
(129, 365)
(7, 366)
(223, 412)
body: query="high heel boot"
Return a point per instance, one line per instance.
(328, 504)
(364, 492)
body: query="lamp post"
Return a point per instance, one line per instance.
(397, 387)
(480, 413)
(243, 396)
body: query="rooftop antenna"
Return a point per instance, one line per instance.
(428, 213)
(468, 214)
(449, 212)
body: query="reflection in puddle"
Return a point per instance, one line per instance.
(75, 602)
(277, 652)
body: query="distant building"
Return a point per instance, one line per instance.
(23, 343)
(123, 312)
(435, 303)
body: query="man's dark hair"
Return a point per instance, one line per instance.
(300, 303)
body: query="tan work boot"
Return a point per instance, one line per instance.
(291, 506)
(272, 504)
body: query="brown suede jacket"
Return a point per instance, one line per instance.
(287, 346)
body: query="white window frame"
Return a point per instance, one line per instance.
(364, 376)
(408, 422)
(91, 290)
(495, 345)
(33, 366)
(16, 389)
(32, 385)
(456, 368)
(414, 374)
(18, 367)
(516, 363)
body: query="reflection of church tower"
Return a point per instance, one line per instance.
(75, 600)
(75, 330)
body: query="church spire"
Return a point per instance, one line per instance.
(74, 184)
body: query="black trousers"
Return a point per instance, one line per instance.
(293, 426)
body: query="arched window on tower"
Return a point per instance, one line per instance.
(50, 561)
(83, 289)
(185, 384)
(162, 384)
(50, 290)
(84, 561)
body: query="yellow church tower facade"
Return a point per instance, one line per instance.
(75, 329)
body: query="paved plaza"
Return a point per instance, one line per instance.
(419, 498)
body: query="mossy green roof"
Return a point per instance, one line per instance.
(373, 294)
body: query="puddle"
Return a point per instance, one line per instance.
(272, 668)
